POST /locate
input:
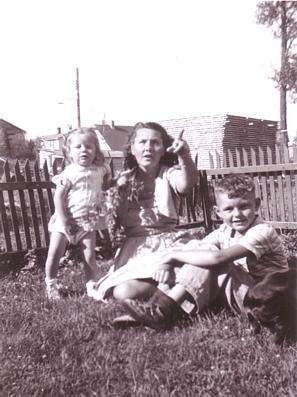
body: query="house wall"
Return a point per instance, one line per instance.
(204, 135)
(213, 135)
(242, 132)
(11, 140)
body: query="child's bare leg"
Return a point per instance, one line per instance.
(87, 247)
(57, 247)
(134, 289)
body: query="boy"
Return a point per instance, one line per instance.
(229, 260)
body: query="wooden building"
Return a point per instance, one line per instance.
(207, 135)
(12, 139)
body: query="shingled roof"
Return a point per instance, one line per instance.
(10, 128)
(115, 136)
(219, 133)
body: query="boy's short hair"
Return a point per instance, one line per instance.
(235, 185)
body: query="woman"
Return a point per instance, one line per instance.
(159, 170)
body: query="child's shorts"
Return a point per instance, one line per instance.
(73, 238)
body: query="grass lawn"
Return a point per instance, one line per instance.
(70, 348)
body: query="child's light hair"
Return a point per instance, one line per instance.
(99, 157)
(235, 185)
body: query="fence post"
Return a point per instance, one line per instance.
(206, 208)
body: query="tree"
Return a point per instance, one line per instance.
(28, 150)
(22, 149)
(4, 146)
(281, 16)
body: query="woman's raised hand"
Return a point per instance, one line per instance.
(179, 146)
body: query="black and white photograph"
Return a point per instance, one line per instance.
(148, 198)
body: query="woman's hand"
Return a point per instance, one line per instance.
(179, 146)
(188, 172)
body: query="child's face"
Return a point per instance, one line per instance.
(238, 212)
(82, 150)
(148, 148)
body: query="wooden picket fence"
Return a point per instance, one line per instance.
(26, 204)
(275, 176)
(26, 198)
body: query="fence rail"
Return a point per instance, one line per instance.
(242, 157)
(26, 198)
(26, 204)
(275, 176)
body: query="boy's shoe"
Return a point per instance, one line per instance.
(53, 290)
(125, 321)
(148, 314)
(160, 312)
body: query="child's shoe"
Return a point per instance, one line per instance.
(91, 289)
(53, 289)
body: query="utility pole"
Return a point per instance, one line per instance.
(78, 99)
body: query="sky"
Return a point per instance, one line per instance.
(147, 60)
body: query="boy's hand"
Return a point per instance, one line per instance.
(164, 274)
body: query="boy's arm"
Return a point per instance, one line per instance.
(204, 257)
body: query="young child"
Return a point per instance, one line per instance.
(231, 259)
(78, 211)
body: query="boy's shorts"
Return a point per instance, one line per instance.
(204, 285)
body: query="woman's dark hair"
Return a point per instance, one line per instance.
(168, 159)
(272, 303)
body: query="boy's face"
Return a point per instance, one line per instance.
(237, 212)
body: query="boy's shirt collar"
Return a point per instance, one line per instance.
(257, 220)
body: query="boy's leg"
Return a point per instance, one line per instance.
(236, 287)
(195, 288)
(134, 289)
(57, 247)
(129, 291)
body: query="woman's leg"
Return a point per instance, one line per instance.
(134, 289)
